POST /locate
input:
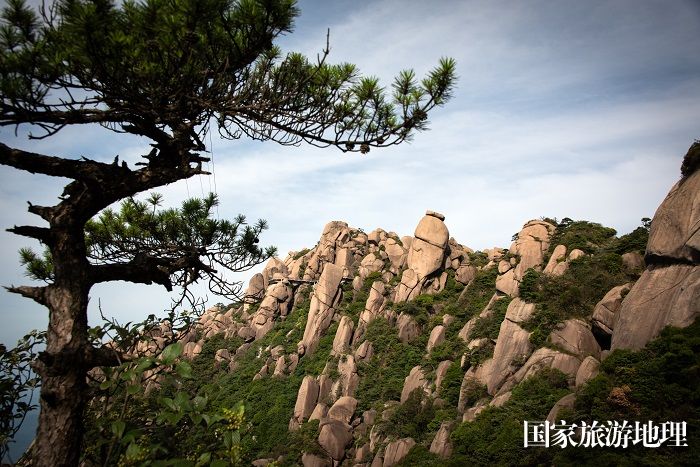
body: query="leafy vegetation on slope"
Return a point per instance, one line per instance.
(575, 293)
(496, 436)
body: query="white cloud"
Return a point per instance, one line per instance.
(578, 109)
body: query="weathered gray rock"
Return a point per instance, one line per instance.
(343, 409)
(256, 288)
(275, 266)
(558, 257)
(191, 350)
(373, 307)
(605, 310)
(675, 229)
(507, 283)
(441, 444)
(335, 235)
(500, 399)
(465, 274)
(320, 412)
(222, 357)
(440, 373)
(633, 261)
(661, 297)
(512, 348)
(349, 379)
(343, 336)
(397, 450)
(530, 246)
(312, 460)
(471, 413)
(397, 254)
(334, 437)
(504, 266)
(576, 254)
(409, 287)
(280, 367)
(575, 336)
(414, 380)
(566, 402)
(325, 297)
(437, 337)
(369, 264)
(365, 351)
(306, 398)
(519, 311)
(545, 358)
(408, 328)
(425, 258)
(589, 369)
(363, 454)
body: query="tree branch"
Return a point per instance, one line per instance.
(40, 233)
(146, 269)
(103, 356)
(38, 294)
(85, 170)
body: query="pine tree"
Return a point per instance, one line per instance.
(166, 70)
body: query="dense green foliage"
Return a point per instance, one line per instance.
(496, 436)
(574, 294)
(383, 376)
(582, 235)
(410, 419)
(659, 383)
(17, 382)
(490, 325)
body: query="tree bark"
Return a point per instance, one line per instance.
(64, 364)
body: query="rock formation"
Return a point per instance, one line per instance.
(668, 292)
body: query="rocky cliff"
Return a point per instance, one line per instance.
(394, 346)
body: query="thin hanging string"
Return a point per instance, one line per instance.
(213, 169)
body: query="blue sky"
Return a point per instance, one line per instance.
(563, 109)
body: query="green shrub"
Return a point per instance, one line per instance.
(478, 258)
(489, 326)
(410, 419)
(383, 376)
(419, 455)
(301, 253)
(582, 235)
(573, 294)
(473, 391)
(480, 354)
(451, 384)
(529, 286)
(476, 296)
(633, 241)
(659, 383)
(448, 350)
(496, 436)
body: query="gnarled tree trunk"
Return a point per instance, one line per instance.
(64, 364)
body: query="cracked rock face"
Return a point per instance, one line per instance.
(662, 296)
(530, 247)
(668, 292)
(323, 301)
(605, 310)
(675, 229)
(575, 336)
(426, 256)
(414, 380)
(397, 450)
